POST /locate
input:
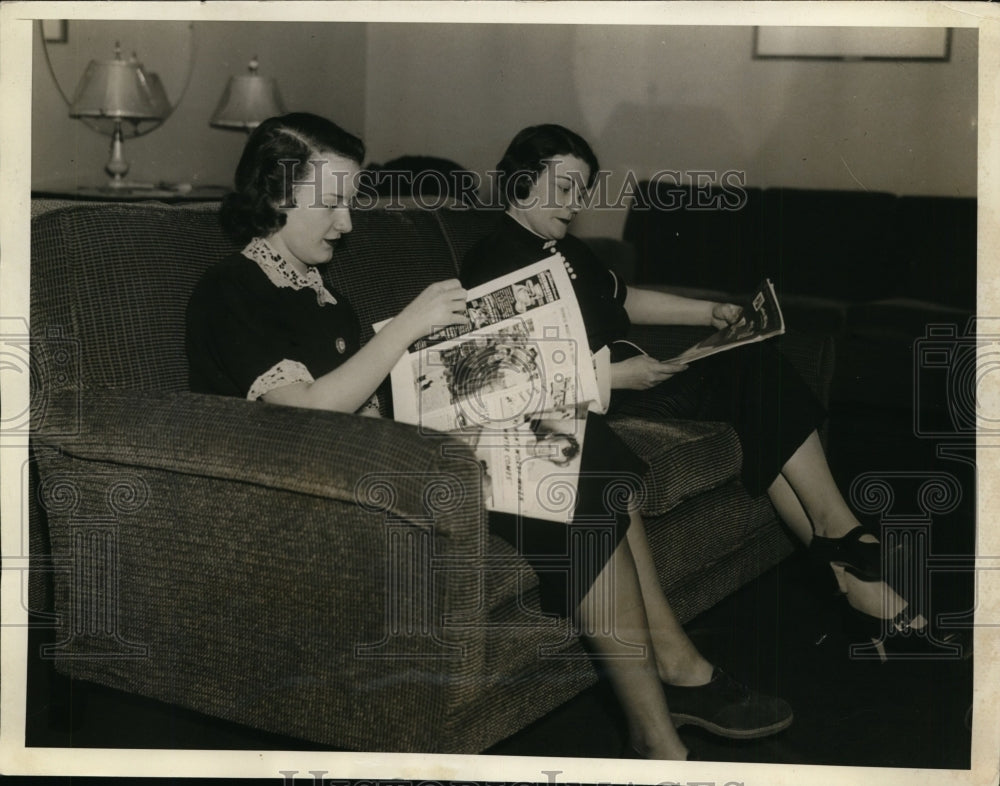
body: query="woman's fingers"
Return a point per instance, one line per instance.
(439, 305)
(453, 293)
(661, 371)
(451, 296)
(728, 313)
(725, 314)
(642, 372)
(645, 372)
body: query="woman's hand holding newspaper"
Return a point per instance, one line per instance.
(439, 305)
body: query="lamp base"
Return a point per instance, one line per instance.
(117, 166)
(120, 183)
(116, 185)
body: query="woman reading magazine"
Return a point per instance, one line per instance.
(262, 325)
(752, 387)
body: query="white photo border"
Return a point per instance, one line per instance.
(16, 40)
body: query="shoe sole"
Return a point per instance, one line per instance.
(680, 719)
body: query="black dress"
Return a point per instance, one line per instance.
(600, 293)
(243, 329)
(247, 334)
(754, 388)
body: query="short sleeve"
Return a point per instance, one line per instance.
(619, 289)
(285, 372)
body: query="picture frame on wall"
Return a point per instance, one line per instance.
(852, 43)
(55, 31)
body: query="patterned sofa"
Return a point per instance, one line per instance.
(876, 271)
(313, 574)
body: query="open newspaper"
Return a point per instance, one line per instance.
(516, 385)
(761, 320)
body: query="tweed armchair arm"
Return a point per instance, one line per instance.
(287, 569)
(327, 454)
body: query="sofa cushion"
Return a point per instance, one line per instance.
(685, 236)
(902, 319)
(836, 244)
(685, 458)
(878, 354)
(112, 282)
(463, 228)
(713, 543)
(937, 243)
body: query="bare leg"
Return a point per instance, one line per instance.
(613, 620)
(809, 502)
(790, 510)
(677, 660)
(809, 477)
(695, 691)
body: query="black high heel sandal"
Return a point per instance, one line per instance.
(862, 559)
(877, 638)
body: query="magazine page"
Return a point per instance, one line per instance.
(532, 469)
(525, 352)
(519, 371)
(602, 370)
(761, 320)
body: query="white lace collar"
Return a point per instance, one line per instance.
(281, 274)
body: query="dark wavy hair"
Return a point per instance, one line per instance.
(266, 172)
(528, 152)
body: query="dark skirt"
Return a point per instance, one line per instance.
(568, 557)
(754, 388)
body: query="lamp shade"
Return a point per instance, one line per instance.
(116, 89)
(248, 100)
(161, 103)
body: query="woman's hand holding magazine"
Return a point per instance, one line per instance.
(761, 320)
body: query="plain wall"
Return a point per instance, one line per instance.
(679, 98)
(307, 60)
(648, 98)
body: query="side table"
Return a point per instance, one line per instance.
(160, 192)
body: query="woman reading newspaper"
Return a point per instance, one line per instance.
(262, 325)
(752, 386)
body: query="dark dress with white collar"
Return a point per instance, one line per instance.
(254, 325)
(754, 388)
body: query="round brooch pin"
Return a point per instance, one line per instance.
(341, 346)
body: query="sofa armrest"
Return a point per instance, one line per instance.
(326, 454)
(282, 568)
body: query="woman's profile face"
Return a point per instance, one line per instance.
(322, 199)
(555, 198)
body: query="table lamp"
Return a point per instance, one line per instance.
(248, 100)
(161, 104)
(118, 90)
